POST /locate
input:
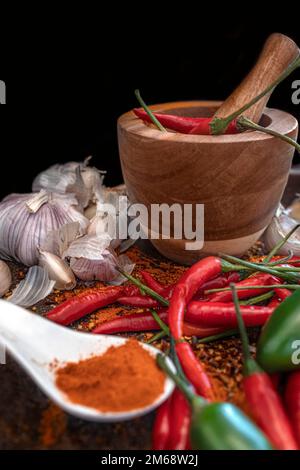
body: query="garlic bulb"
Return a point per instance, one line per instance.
(26, 220)
(280, 226)
(91, 258)
(58, 270)
(72, 177)
(294, 209)
(5, 278)
(108, 217)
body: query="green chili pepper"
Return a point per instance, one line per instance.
(218, 426)
(280, 337)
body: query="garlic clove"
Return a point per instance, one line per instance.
(5, 278)
(281, 224)
(34, 288)
(58, 270)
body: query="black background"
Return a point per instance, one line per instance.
(69, 81)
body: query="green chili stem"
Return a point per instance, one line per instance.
(249, 363)
(219, 125)
(149, 112)
(257, 267)
(160, 323)
(246, 123)
(272, 286)
(211, 338)
(286, 259)
(258, 299)
(280, 244)
(161, 334)
(145, 288)
(184, 387)
(176, 361)
(291, 269)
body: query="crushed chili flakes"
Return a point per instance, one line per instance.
(53, 424)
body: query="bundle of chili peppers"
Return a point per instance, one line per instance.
(201, 304)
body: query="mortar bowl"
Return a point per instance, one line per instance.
(238, 178)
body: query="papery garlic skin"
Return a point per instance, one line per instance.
(92, 258)
(26, 220)
(73, 177)
(34, 288)
(58, 270)
(5, 278)
(279, 227)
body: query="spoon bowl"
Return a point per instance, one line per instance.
(41, 346)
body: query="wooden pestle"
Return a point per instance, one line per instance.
(278, 52)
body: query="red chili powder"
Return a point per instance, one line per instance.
(123, 378)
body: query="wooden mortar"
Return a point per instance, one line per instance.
(239, 178)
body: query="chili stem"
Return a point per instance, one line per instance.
(280, 244)
(258, 299)
(249, 363)
(273, 286)
(160, 323)
(149, 112)
(225, 334)
(219, 125)
(186, 389)
(245, 123)
(286, 259)
(176, 361)
(145, 288)
(157, 337)
(258, 267)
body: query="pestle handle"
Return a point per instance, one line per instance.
(278, 52)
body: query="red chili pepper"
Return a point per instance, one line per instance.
(189, 283)
(292, 401)
(185, 125)
(86, 302)
(223, 314)
(256, 280)
(192, 280)
(274, 302)
(141, 301)
(162, 426)
(131, 290)
(133, 322)
(282, 293)
(264, 401)
(268, 411)
(179, 438)
(194, 370)
(189, 329)
(153, 283)
(204, 127)
(218, 283)
(138, 322)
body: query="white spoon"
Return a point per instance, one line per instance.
(36, 342)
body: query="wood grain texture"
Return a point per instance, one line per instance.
(240, 178)
(278, 52)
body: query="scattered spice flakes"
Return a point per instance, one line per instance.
(222, 359)
(52, 425)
